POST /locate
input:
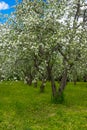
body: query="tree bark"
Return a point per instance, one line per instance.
(35, 84)
(75, 81)
(28, 79)
(54, 89)
(63, 82)
(75, 78)
(49, 69)
(42, 86)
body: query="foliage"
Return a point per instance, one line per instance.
(43, 39)
(41, 32)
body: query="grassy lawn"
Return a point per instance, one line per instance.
(24, 108)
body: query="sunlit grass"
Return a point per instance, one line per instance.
(23, 107)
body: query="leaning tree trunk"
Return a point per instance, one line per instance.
(63, 82)
(50, 77)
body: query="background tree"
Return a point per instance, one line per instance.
(47, 41)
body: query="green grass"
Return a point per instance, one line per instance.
(23, 107)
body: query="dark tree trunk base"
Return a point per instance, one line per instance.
(42, 87)
(35, 84)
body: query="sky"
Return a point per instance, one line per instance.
(6, 6)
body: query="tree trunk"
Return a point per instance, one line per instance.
(35, 84)
(54, 90)
(42, 86)
(29, 79)
(75, 81)
(75, 77)
(85, 78)
(63, 82)
(49, 69)
(51, 78)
